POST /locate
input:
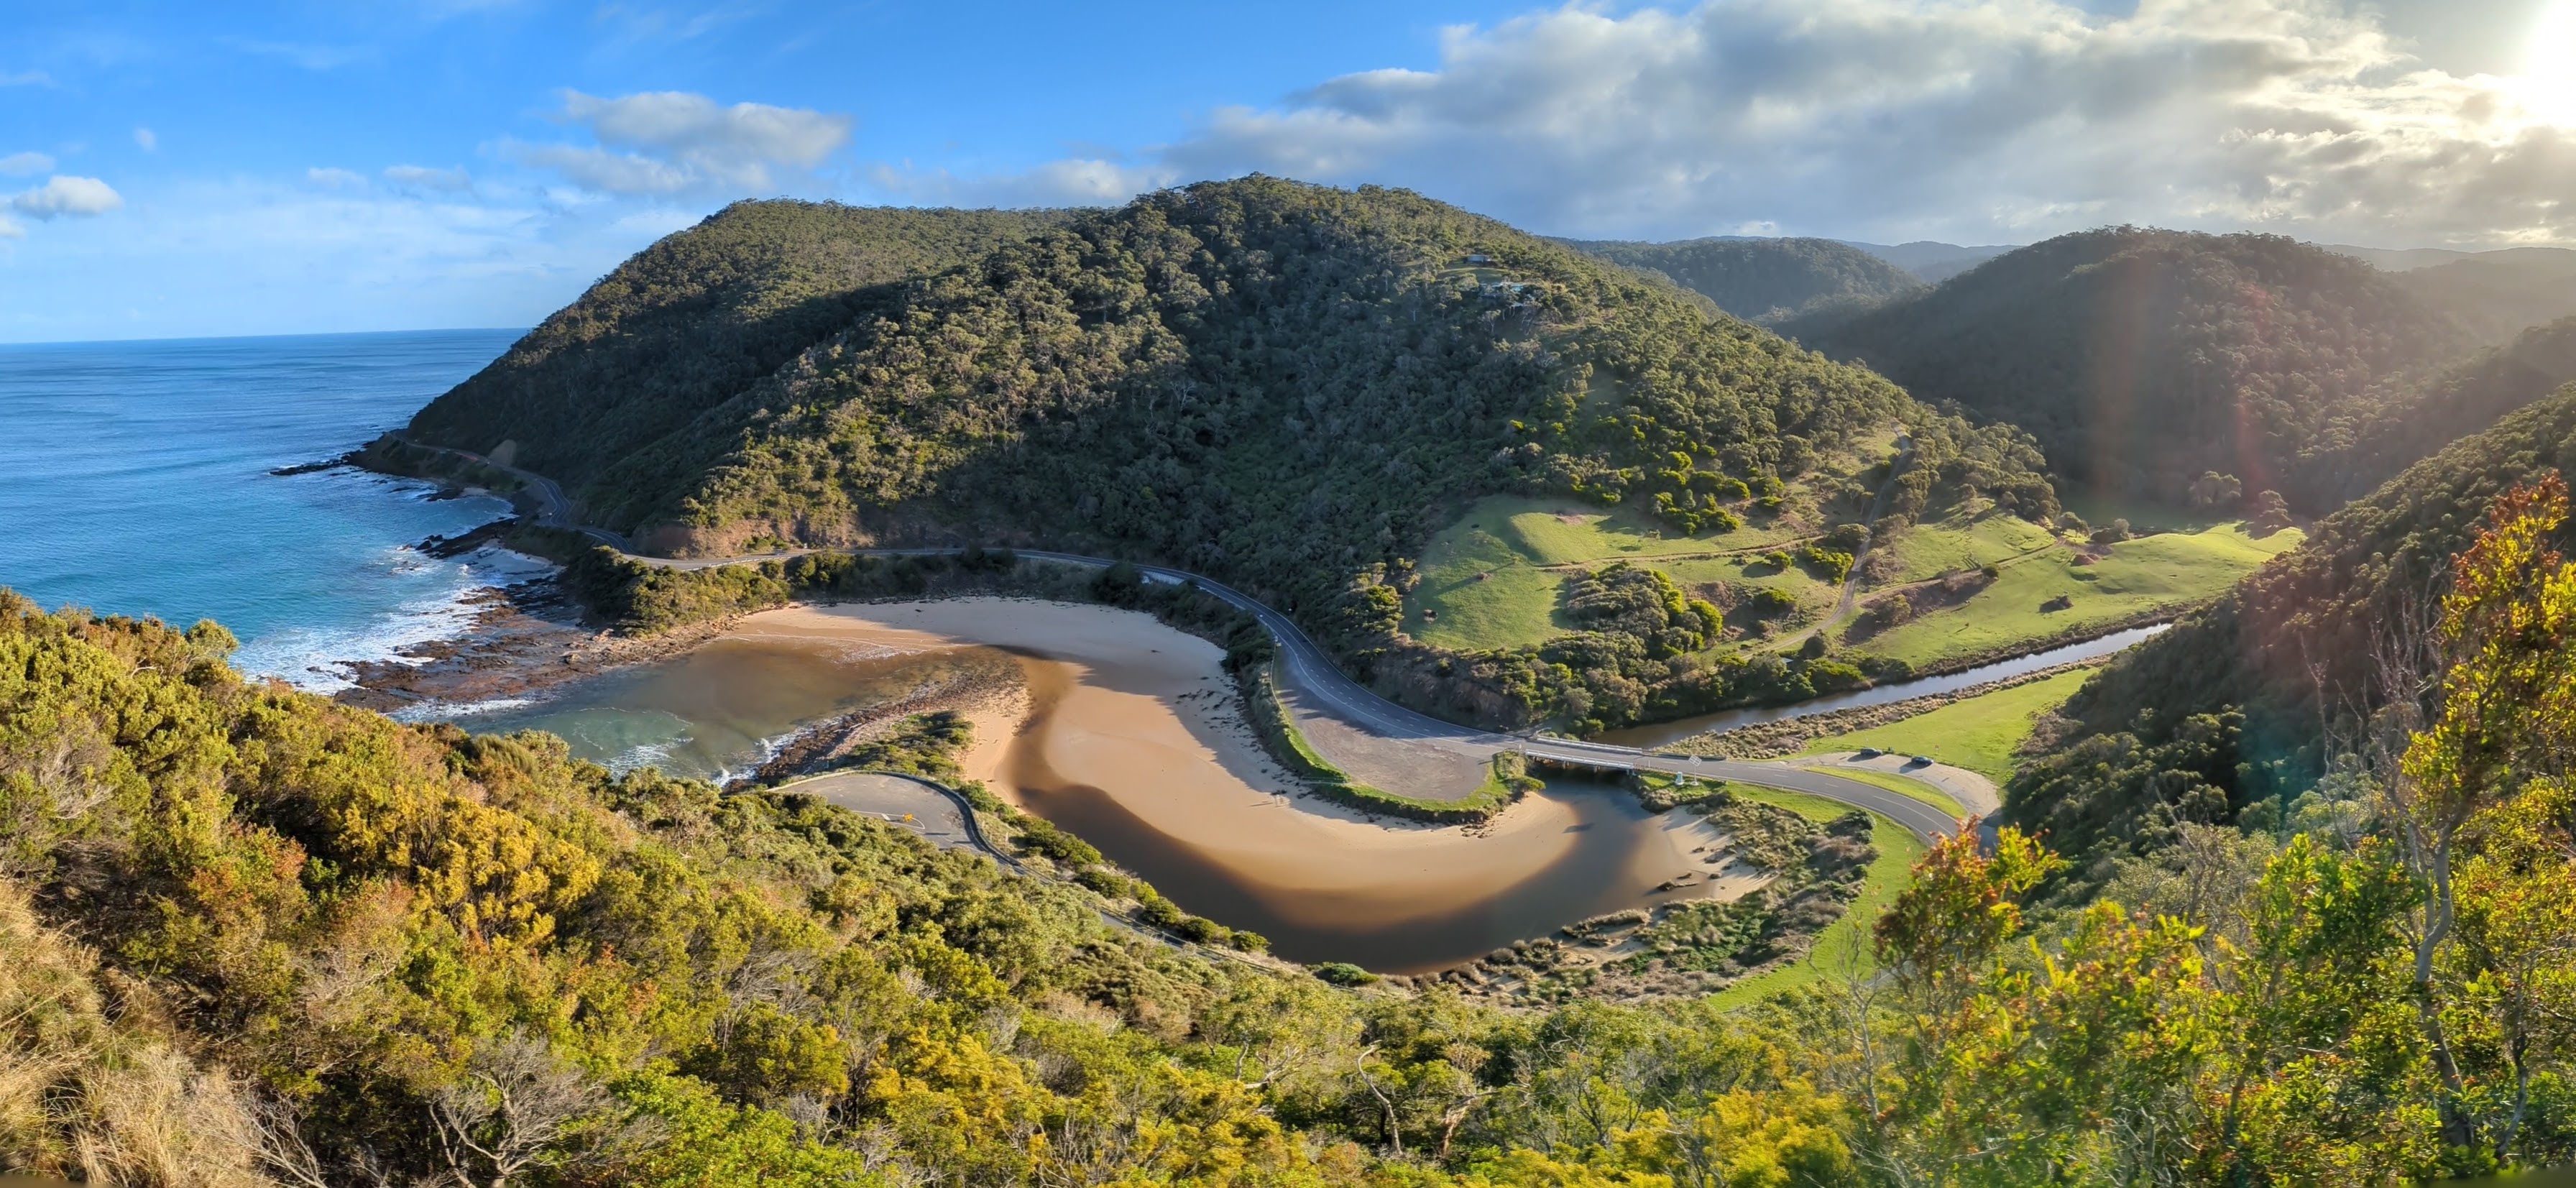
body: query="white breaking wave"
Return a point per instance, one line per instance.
(318, 659)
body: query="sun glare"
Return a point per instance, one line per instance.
(2549, 63)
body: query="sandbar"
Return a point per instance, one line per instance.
(1128, 709)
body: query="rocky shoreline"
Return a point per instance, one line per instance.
(526, 637)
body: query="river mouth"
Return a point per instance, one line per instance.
(719, 710)
(1127, 735)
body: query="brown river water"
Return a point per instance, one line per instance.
(1127, 737)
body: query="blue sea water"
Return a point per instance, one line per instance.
(134, 479)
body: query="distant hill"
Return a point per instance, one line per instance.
(2499, 294)
(2223, 712)
(691, 320)
(2142, 359)
(1765, 281)
(1931, 262)
(2398, 259)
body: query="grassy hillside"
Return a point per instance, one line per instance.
(1983, 733)
(2224, 711)
(1291, 388)
(1766, 281)
(2142, 360)
(2057, 590)
(692, 320)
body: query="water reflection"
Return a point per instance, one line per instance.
(720, 709)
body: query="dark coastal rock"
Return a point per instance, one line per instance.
(459, 545)
(350, 459)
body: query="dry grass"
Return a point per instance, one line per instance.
(83, 1097)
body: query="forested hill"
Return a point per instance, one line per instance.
(1766, 281)
(2144, 359)
(2222, 714)
(692, 319)
(1279, 384)
(2416, 417)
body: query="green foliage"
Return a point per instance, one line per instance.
(923, 745)
(1279, 385)
(2202, 352)
(690, 321)
(398, 928)
(1828, 565)
(2414, 418)
(1766, 281)
(407, 938)
(2290, 647)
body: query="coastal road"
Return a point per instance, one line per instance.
(554, 510)
(1305, 665)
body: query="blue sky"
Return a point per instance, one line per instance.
(186, 169)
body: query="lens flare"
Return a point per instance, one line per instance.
(2549, 64)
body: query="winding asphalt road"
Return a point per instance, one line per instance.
(1305, 666)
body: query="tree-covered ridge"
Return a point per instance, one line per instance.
(2222, 714)
(1766, 281)
(2143, 359)
(691, 321)
(1278, 384)
(2414, 418)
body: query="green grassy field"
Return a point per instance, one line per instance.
(1930, 550)
(1486, 581)
(1844, 947)
(1980, 733)
(2149, 574)
(1903, 786)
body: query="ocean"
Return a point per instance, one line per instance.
(134, 480)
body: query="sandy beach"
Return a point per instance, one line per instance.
(1124, 709)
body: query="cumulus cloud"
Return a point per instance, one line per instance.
(671, 142)
(1912, 118)
(331, 178)
(64, 196)
(21, 164)
(424, 178)
(10, 230)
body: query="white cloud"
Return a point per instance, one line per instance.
(21, 164)
(25, 78)
(64, 195)
(1902, 119)
(11, 230)
(670, 142)
(146, 140)
(330, 178)
(425, 178)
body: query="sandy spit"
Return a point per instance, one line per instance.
(1144, 713)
